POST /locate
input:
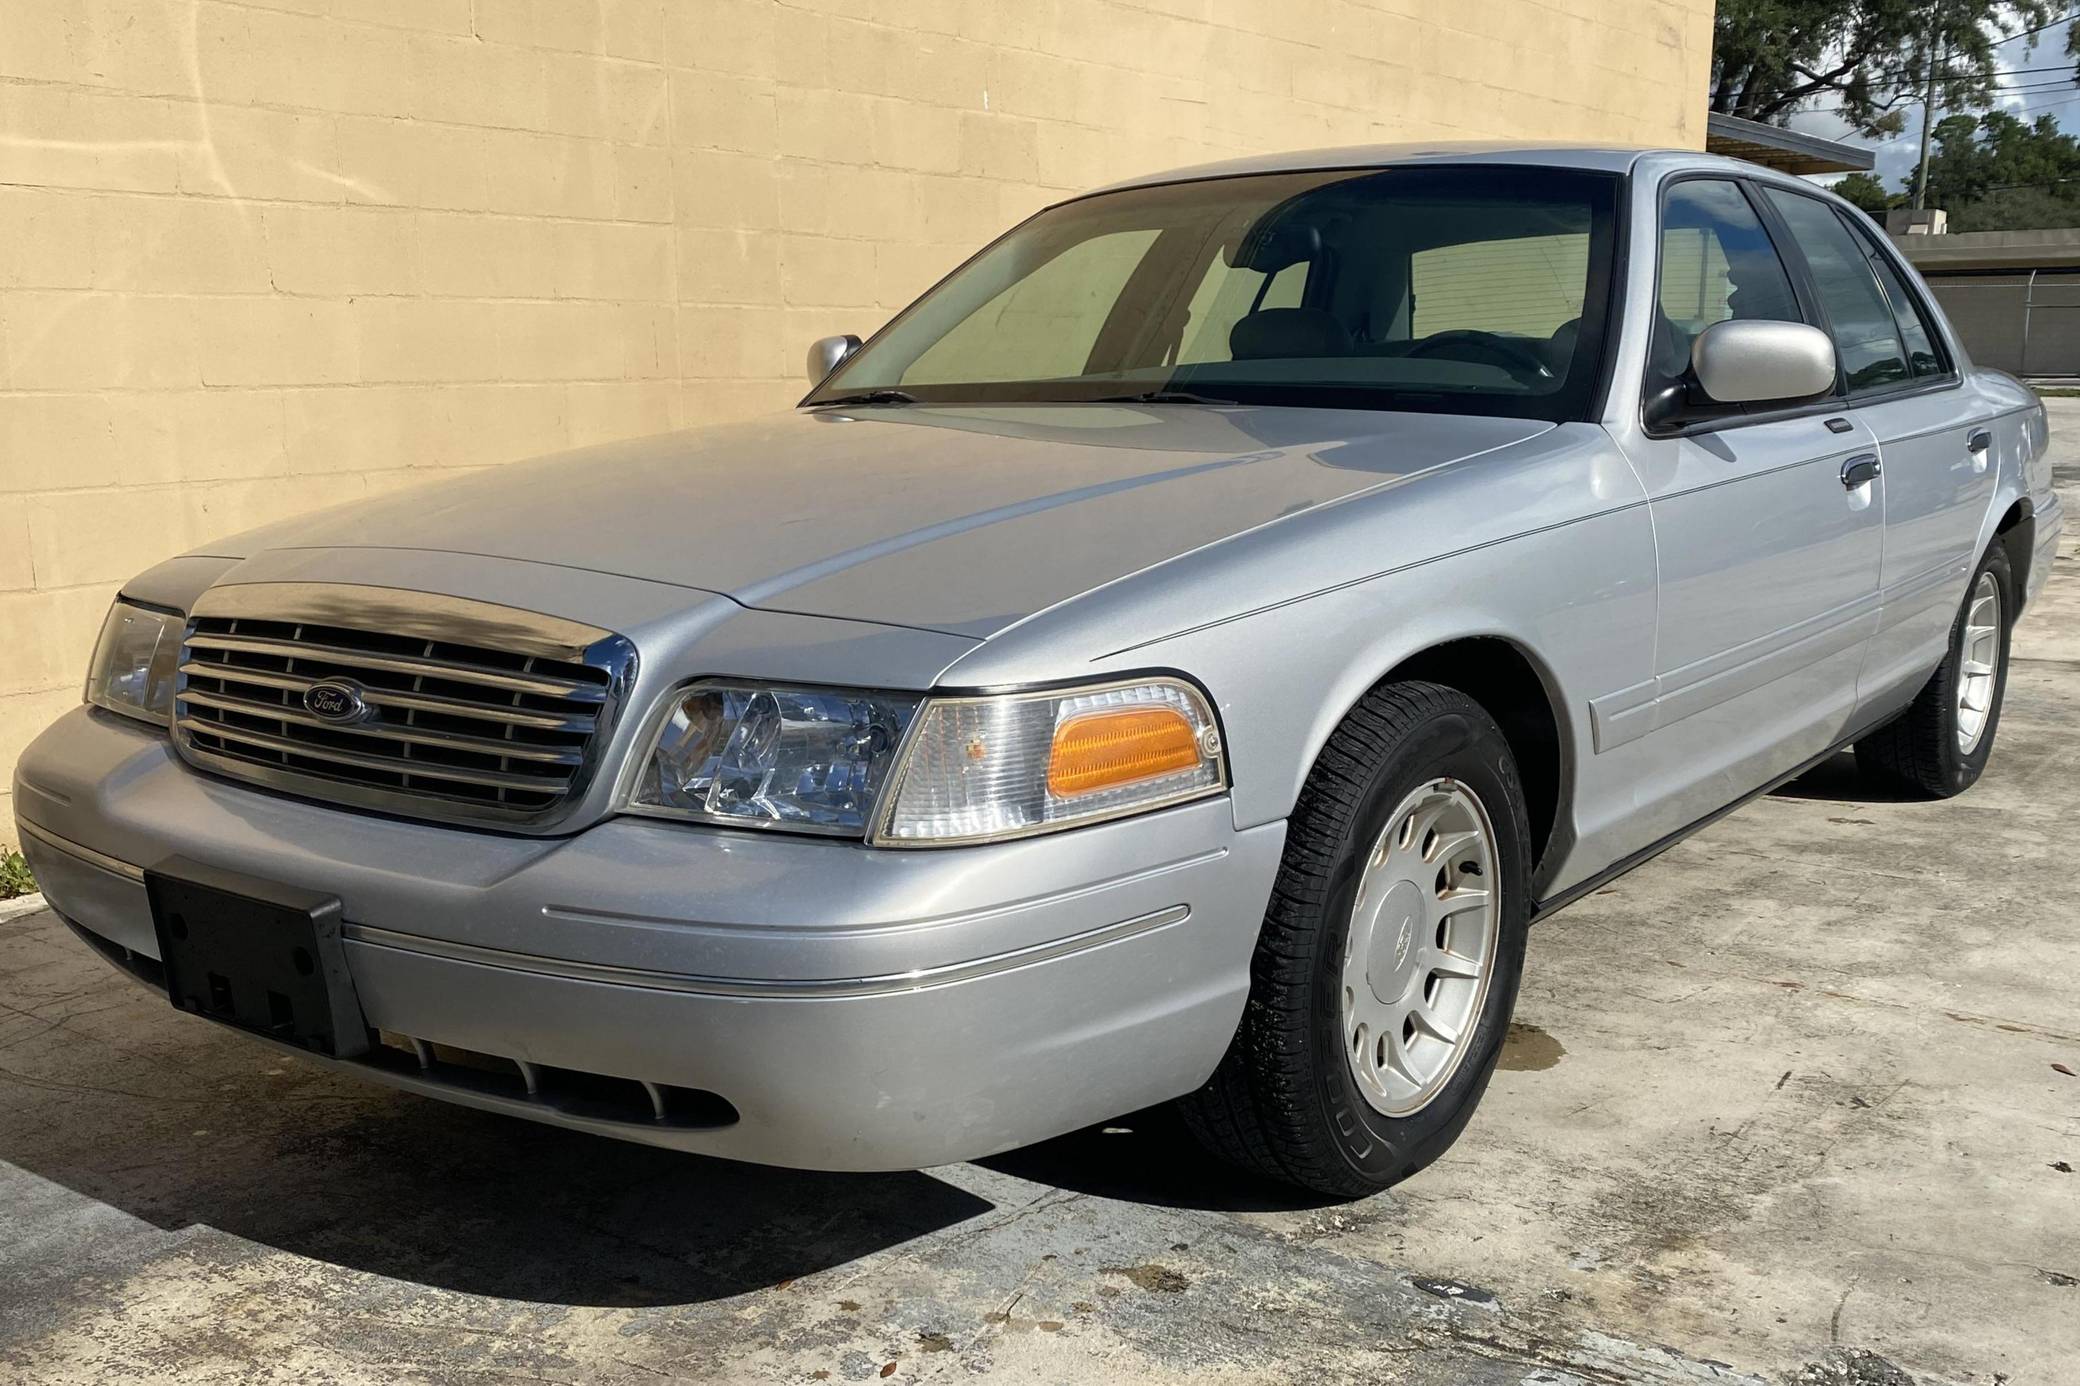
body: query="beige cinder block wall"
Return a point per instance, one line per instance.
(260, 256)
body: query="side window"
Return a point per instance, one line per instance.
(1866, 337)
(1924, 357)
(1717, 262)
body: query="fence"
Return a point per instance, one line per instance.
(2027, 322)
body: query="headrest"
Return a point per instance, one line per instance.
(1268, 250)
(1273, 333)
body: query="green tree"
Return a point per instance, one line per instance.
(2018, 209)
(1866, 192)
(1866, 59)
(1994, 172)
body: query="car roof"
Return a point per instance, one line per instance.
(1602, 158)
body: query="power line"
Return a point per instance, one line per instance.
(1955, 81)
(1908, 71)
(2036, 106)
(2025, 33)
(2067, 78)
(1907, 76)
(2060, 84)
(2063, 84)
(2024, 106)
(2011, 187)
(1978, 194)
(2022, 76)
(2050, 104)
(1904, 78)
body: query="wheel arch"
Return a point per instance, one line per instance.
(2016, 531)
(1520, 691)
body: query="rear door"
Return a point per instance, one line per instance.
(1768, 561)
(1934, 440)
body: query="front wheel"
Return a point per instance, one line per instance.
(1940, 744)
(1384, 978)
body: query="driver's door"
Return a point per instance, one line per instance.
(1768, 556)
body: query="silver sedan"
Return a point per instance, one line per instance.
(1176, 658)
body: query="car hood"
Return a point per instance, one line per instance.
(962, 520)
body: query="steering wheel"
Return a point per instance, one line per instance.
(1513, 356)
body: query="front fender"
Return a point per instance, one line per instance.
(1548, 546)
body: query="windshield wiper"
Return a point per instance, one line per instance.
(1161, 397)
(871, 397)
(892, 396)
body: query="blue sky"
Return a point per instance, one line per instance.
(2046, 62)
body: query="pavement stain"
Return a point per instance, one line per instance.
(1528, 1049)
(1336, 1222)
(1850, 1367)
(1159, 1280)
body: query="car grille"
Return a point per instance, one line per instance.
(437, 727)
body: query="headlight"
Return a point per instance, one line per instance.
(902, 770)
(811, 759)
(134, 661)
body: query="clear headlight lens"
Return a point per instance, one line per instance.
(1022, 763)
(971, 769)
(810, 759)
(134, 662)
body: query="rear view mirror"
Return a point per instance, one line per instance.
(1747, 361)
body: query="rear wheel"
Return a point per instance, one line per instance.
(1940, 744)
(1388, 966)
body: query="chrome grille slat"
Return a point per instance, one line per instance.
(452, 709)
(453, 741)
(491, 779)
(418, 702)
(397, 664)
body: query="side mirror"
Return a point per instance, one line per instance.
(826, 354)
(1747, 361)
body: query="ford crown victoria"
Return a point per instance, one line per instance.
(1176, 658)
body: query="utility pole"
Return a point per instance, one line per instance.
(1928, 120)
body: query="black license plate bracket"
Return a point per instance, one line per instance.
(257, 956)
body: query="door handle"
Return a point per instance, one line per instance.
(1859, 469)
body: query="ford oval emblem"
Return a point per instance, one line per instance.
(334, 702)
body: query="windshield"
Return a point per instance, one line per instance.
(1477, 290)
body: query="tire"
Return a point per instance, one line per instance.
(1929, 749)
(1287, 1101)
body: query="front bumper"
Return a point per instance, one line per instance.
(858, 1009)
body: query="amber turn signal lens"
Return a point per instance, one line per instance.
(1103, 750)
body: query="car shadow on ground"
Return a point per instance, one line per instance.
(1150, 1158)
(1836, 780)
(420, 1191)
(207, 1131)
